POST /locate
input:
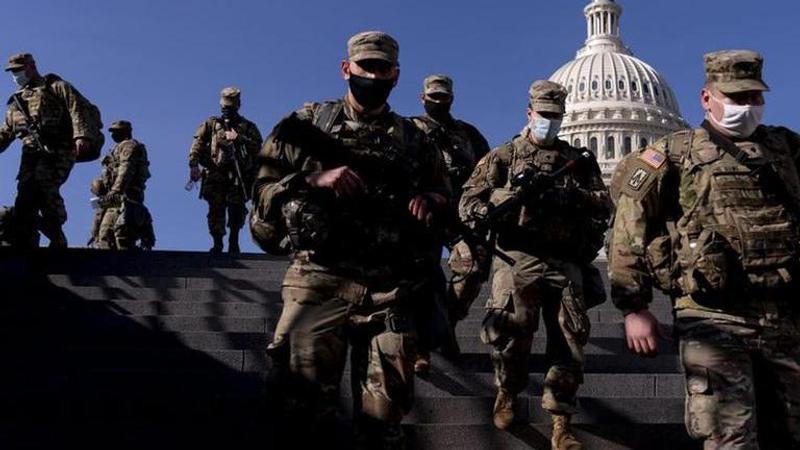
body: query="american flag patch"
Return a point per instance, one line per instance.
(653, 158)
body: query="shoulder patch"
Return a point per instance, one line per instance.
(653, 158)
(637, 178)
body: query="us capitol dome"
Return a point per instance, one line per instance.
(616, 102)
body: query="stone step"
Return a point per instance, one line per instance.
(191, 282)
(223, 381)
(176, 356)
(150, 308)
(243, 432)
(99, 322)
(98, 261)
(537, 437)
(92, 293)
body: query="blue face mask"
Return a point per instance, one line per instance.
(545, 130)
(20, 78)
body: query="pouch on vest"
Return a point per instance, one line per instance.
(708, 273)
(768, 247)
(661, 263)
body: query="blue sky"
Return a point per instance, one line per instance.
(161, 65)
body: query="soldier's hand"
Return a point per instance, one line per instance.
(194, 173)
(231, 135)
(642, 331)
(81, 146)
(422, 206)
(342, 180)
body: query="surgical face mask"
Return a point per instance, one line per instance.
(20, 78)
(545, 130)
(739, 121)
(370, 92)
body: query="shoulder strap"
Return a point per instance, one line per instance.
(326, 115)
(724, 143)
(677, 145)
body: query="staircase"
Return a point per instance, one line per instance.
(165, 349)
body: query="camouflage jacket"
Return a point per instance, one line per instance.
(126, 169)
(211, 149)
(373, 237)
(55, 105)
(711, 230)
(568, 232)
(461, 144)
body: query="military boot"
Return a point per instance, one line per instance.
(217, 248)
(563, 438)
(233, 243)
(503, 415)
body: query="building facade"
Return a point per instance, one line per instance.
(617, 102)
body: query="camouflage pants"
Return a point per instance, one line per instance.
(470, 269)
(224, 197)
(39, 204)
(114, 235)
(317, 327)
(519, 294)
(742, 382)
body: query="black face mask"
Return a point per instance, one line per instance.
(230, 112)
(370, 93)
(118, 137)
(438, 111)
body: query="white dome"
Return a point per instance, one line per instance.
(610, 77)
(616, 102)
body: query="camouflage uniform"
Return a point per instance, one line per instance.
(358, 264)
(713, 222)
(56, 106)
(552, 245)
(462, 146)
(213, 151)
(123, 219)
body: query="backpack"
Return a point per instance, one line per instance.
(92, 118)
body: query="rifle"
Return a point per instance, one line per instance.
(239, 154)
(530, 183)
(31, 127)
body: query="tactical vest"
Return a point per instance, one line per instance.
(541, 228)
(138, 164)
(458, 150)
(741, 230)
(377, 227)
(220, 150)
(48, 110)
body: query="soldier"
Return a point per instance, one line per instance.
(552, 237)
(64, 131)
(122, 218)
(710, 216)
(225, 147)
(462, 145)
(352, 187)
